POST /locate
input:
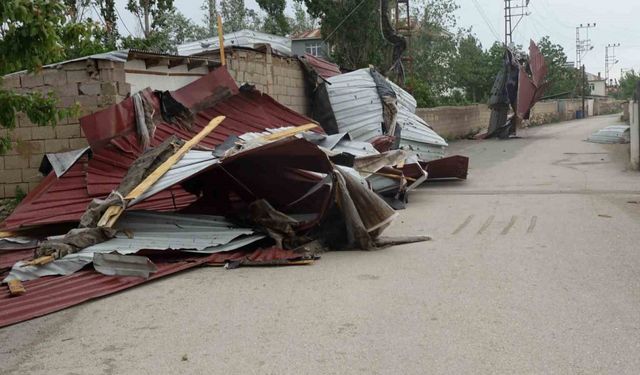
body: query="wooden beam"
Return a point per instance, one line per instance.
(112, 213)
(289, 132)
(16, 288)
(151, 62)
(173, 159)
(192, 64)
(41, 261)
(176, 62)
(221, 41)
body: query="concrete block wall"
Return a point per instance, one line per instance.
(93, 84)
(459, 122)
(456, 122)
(280, 77)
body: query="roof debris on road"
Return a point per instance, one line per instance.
(214, 174)
(612, 135)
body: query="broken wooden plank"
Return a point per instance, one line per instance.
(16, 288)
(41, 261)
(8, 234)
(173, 159)
(112, 213)
(289, 132)
(223, 60)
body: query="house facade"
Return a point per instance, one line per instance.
(309, 42)
(597, 84)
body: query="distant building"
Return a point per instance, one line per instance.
(597, 84)
(309, 42)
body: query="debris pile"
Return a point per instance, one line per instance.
(518, 86)
(214, 174)
(612, 134)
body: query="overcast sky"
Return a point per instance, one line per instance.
(618, 21)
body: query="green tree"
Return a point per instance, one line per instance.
(275, 22)
(354, 42)
(179, 29)
(301, 20)
(234, 15)
(561, 77)
(29, 37)
(108, 13)
(628, 84)
(151, 14)
(471, 69)
(434, 49)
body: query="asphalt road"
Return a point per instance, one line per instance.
(534, 269)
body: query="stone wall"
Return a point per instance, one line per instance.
(279, 76)
(92, 84)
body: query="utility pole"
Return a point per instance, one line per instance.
(609, 59)
(513, 9)
(582, 47)
(404, 27)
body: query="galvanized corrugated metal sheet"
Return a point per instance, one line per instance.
(142, 230)
(62, 161)
(356, 104)
(611, 134)
(358, 111)
(162, 231)
(192, 163)
(242, 38)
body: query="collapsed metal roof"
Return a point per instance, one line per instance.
(358, 110)
(64, 199)
(242, 38)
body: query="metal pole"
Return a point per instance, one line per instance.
(584, 114)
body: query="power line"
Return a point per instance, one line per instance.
(122, 21)
(344, 19)
(509, 27)
(486, 19)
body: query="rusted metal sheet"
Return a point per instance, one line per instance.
(452, 167)
(531, 88)
(324, 68)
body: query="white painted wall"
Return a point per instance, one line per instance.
(598, 88)
(172, 79)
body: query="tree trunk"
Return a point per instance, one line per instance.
(147, 28)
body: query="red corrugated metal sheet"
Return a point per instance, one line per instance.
(530, 89)
(451, 167)
(9, 257)
(112, 136)
(323, 67)
(54, 293)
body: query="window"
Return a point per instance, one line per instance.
(593, 87)
(313, 48)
